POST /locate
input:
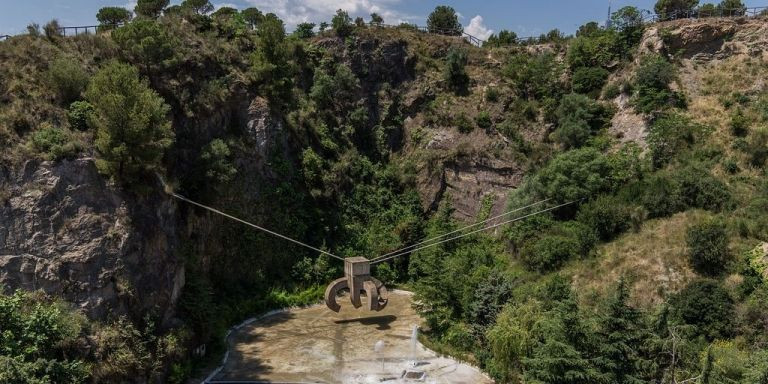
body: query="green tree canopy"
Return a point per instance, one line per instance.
(376, 18)
(342, 23)
(708, 247)
(132, 125)
(674, 9)
(201, 7)
(444, 20)
(252, 16)
(113, 15)
(150, 8)
(304, 30)
(144, 42)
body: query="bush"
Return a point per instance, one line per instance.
(661, 196)
(492, 94)
(596, 50)
(455, 71)
(757, 146)
(56, 143)
(669, 135)
(79, 113)
(699, 189)
(708, 247)
(739, 123)
(342, 23)
(132, 125)
(463, 123)
(549, 252)
(578, 119)
(535, 76)
(67, 78)
(52, 29)
(607, 216)
(589, 80)
(707, 306)
(583, 173)
(216, 158)
(483, 120)
(652, 81)
(611, 91)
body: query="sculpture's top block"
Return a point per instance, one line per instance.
(357, 266)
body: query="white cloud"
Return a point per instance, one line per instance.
(478, 29)
(293, 12)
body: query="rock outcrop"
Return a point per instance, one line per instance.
(65, 231)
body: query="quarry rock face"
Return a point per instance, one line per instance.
(65, 231)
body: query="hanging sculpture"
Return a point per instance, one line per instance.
(358, 280)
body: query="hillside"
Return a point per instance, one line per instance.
(650, 140)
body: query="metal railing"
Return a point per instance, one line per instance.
(445, 32)
(3, 37)
(86, 29)
(649, 17)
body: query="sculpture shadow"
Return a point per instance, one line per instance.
(382, 323)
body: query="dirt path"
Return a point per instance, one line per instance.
(315, 345)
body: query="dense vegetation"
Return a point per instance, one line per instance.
(141, 100)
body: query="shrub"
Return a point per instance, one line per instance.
(589, 80)
(596, 50)
(216, 157)
(131, 120)
(304, 30)
(652, 81)
(67, 78)
(492, 94)
(669, 135)
(699, 189)
(708, 247)
(444, 20)
(606, 215)
(757, 146)
(707, 306)
(78, 115)
(739, 123)
(52, 29)
(455, 71)
(463, 123)
(549, 252)
(342, 23)
(56, 143)
(661, 196)
(582, 173)
(578, 119)
(376, 18)
(731, 166)
(112, 16)
(611, 91)
(535, 76)
(483, 120)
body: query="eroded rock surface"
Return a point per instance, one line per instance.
(63, 230)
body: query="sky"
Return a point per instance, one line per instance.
(480, 18)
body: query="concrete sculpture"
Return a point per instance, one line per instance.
(358, 280)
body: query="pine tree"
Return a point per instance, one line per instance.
(623, 336)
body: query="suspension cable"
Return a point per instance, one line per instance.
(273, 233)
(475, 231)
(404, 249)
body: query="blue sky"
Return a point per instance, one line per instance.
(525, 17)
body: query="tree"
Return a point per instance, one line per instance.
(455, 71)
(150, 8)
(627, 17)
(443, 20)
(708, 247)
(224, 12)
(504, 38)
(622, 338)
(132, 125)
(112, 16)
(252, 16)
(342, 23)
(578, 118)
(201, 7)
(707, 306)
(376, 18)
(674, 9)
(588, 29)
(732, 7)
(216, 159)
(589, 80)
(146, 42)
(652, 81)
(305, 30)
